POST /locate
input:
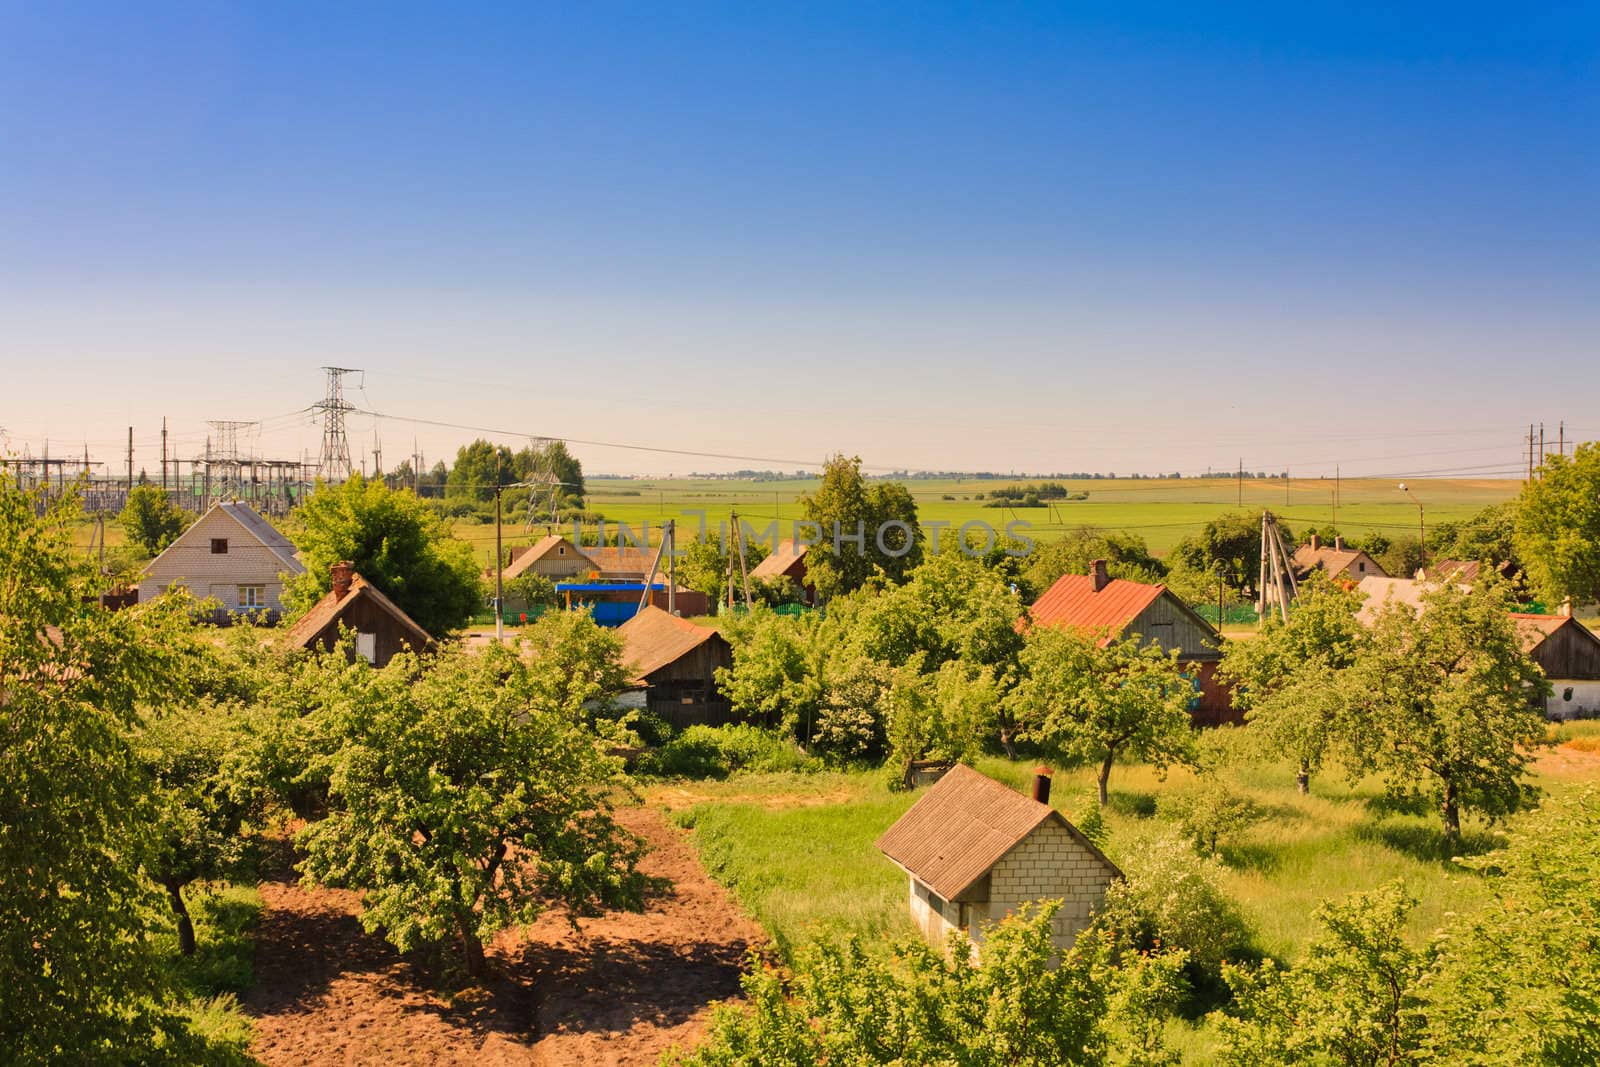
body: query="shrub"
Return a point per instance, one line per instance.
(718, 751)
(1211, 814)
(1173, 899)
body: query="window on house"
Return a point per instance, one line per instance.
(1566, 694)
(252, 596)
(367, 647)
(219, 546)
(562, 550)
(1362, 566)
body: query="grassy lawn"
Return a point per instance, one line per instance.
(223, 966)
(798, 850)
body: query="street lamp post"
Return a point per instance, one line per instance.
(1422, 525)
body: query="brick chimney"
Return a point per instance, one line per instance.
(1041, 784)
(342, 572)
(1098, 576)
(1338, 542)
(1316, 542)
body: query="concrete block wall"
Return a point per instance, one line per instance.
(1049, 864)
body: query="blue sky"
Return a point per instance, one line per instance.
(1114, 237)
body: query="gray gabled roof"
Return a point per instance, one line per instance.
(264, 532)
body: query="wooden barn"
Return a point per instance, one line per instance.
(788, 560)
(1569, 653)
(1117, 608)
(675, 661)
(382, 630)
(554, 556)
(973, 851)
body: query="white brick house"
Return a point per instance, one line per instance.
(231, 554)
(974, 851)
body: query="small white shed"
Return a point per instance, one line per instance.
(974, 851)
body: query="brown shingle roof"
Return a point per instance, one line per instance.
(654, 638)
(623, 561)
(1331, 559)
(963, 826)
(330, 608)
(785, 555)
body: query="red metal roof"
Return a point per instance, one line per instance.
(1073, 602)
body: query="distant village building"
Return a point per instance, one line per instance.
(787, 560)
(230, 554)
(974, 851)
(382, 630)
(1116, 608)
(1335, 560)
(554, 557)
(674, 663)
(1569, 653)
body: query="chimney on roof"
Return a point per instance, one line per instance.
(1316, 542)
(1041, 784)
(1098, 576)
(342, 572)
(1338, 542)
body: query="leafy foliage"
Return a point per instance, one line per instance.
(1079, 701)
(846, 503)
(151, 520)
(80, 978)
(1353, 1000)
(847, 1005)
(1558, 526)
(466, 796)
(1126, 555)
(1442, 700)
(396, 542)
(1212, 814)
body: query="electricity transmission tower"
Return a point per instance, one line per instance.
(229, 483)
(334, 463)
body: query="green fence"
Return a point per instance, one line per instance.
(1232, 614)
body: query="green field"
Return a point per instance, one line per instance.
(1161, 511)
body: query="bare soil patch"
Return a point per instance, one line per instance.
(620, 991)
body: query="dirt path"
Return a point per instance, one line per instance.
(620, 992)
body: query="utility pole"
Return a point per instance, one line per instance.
(163, 455)
(1530, 451)
(130, 459)
(1335, 498)
(670, 535)
(1561, 439)
(499, 558)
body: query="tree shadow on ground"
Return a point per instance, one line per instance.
(1427, 843)
(1135, 804)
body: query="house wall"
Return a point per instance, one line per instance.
(1049, 864)
(189, 562)
(1573, 698)
(685, 693)
(1166, 623)
(1569, 653)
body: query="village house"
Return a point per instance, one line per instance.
(230, 554)
(382, 630)
(554, 556)
(1116, 608)
(787, 560)
(1335, 560)
(1569, 654)
(674, 664)
(974, 851)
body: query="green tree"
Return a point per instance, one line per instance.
(80, 981)
(1354, 1000)
(1283, 680)
(465, 798)
(552, 462)
(1558, 527)
(203, 805)
(1126, 555)
(396, 542)
(847, 506)
(1080, 701)
(1025, 1004)
(1444, 699)
(1232, 541)
(479, 468)
(1518, 981)
(776, 675)
(151, 520)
